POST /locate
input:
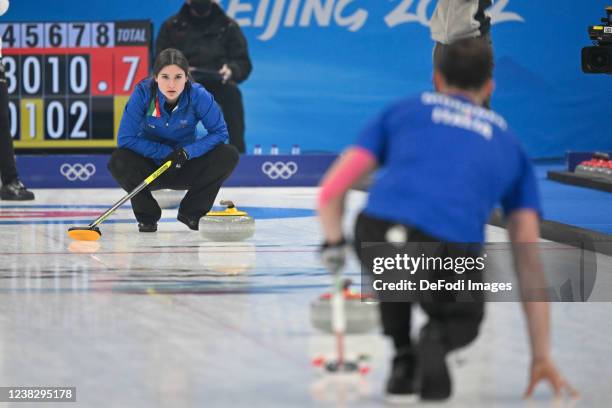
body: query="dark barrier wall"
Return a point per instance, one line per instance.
(323, 67)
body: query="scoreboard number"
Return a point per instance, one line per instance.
(79, 35)
(31, 118)
(103, 35)
(56, 35)
(55, 120)
(78, 114)
(10, 71)
(32, 35)
(31, 75)
(10, 35)
(78, 74)
(62, 122)
(68, 82)
(55, 66)
(129, 80)
(13, 118)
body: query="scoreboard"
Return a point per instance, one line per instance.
(68, 82)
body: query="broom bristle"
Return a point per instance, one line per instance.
(84, 233)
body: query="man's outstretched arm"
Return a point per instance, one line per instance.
(524, 232)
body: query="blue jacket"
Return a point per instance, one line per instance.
(147, 129)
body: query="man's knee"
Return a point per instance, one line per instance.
(466, 334)
(460, 323)
(472, 322)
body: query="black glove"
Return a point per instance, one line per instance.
(178, 158)
(333, 256)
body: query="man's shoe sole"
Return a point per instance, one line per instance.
(14, 198)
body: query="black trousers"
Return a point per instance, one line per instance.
(457, 321)
(202, 177)
(229, 98)
(8, 169)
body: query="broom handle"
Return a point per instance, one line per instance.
(338, 315)
(137, 190)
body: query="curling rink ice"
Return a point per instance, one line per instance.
(170, 320)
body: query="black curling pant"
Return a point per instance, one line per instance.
(457, 321)
(202, 177)
(8, 169)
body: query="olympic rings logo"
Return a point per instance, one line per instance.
(279, 169)
(78, 171)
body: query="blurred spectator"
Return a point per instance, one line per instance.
(455, 20)
(218, 55)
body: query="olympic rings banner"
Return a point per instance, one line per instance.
(323, 68)
(77, 171)
(90, 171)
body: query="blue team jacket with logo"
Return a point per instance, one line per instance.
(148, 129)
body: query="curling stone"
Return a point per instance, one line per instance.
(361, 312)
(230, 224)
(167, 198)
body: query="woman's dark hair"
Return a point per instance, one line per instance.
(170, 56)
(466, 64)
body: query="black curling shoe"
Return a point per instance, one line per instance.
(192, 223)
(15, 191)
(435, 378)
(401, 385)
(143, 227)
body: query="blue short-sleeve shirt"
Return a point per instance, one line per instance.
(445, 163)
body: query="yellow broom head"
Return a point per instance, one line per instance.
(84, 233)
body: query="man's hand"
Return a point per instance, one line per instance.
(226, 73)
(178, 158)
(333, 255)
(544, 369)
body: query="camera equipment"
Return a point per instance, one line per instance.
(598, 58)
